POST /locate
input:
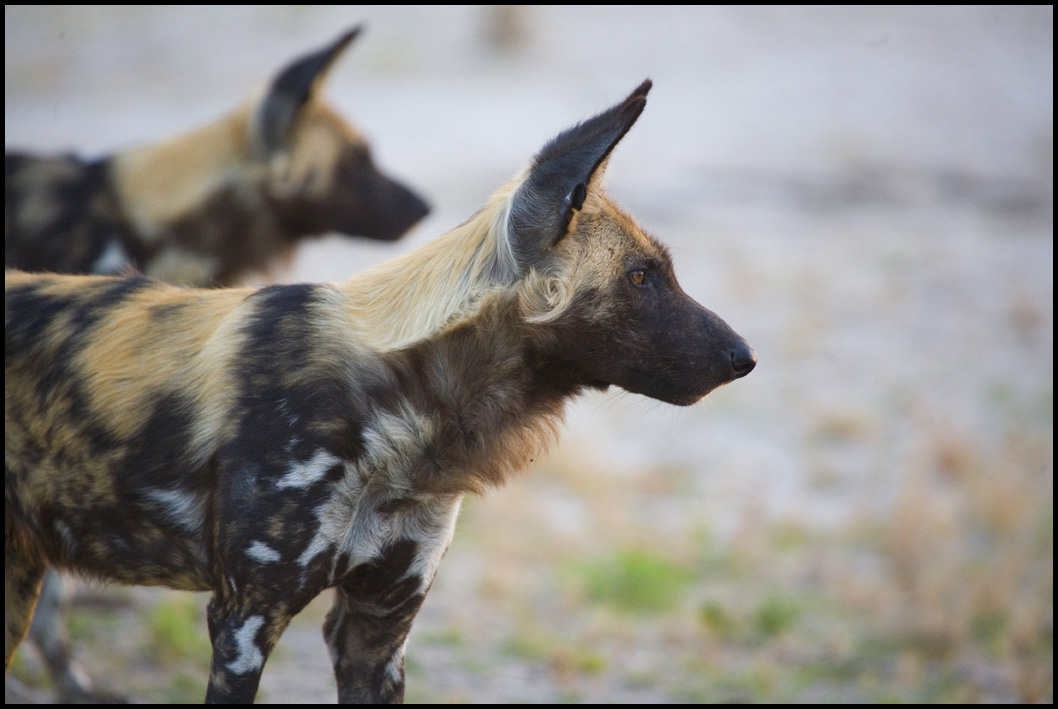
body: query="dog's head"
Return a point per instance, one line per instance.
(603, 290)
(322, 175)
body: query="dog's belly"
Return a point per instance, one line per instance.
(153, 538)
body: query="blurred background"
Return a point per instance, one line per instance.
(865, 194)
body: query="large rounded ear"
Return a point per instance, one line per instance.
(560, 176)
(292, 88)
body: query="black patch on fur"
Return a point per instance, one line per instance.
(160, 448)
(73, 213)
(161, 313)
(281, 319)
(293, 87)
(395, 505)
(381, 582)
(31, 312)
(142, 536)
(281, 378)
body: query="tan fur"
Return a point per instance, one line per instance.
(319, 136)
(412, 297)
(168, 180)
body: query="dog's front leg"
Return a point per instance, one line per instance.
(242, 640)
(367, 648)
(367, 625)
(376, 601)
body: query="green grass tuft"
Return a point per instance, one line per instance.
(634, 581)
(175, 631)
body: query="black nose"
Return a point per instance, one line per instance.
(743, 359)
(399, 210)
(416, 207)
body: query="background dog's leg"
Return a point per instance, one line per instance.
(23, 572)
(48, 633)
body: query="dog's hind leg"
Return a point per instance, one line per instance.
(23, 572)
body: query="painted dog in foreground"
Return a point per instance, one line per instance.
(265, 445)
(213, 205)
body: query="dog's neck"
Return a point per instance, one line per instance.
(419, 295)
(486, 406)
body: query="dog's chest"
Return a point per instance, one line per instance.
(356, 517)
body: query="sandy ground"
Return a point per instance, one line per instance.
(865, 194)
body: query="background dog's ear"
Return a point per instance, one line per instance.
(561, 174)
(292, 89)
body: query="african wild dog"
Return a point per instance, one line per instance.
(210, 206)
(267, 444)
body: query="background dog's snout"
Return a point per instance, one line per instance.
(416, 207)
(743, 359)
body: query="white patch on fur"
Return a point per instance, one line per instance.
(114, 259)
(393, 667)
(175, 264)
(181, 507)
(506, 261)
(432, 526)
(393, 445)
(69, 543)
(349, 521)
(291, 417)
(305, 474)
(250, 658)
(259, 551)
(317, 546)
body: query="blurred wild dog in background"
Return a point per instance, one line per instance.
(210, 206)
(265, 445)
(205, 208)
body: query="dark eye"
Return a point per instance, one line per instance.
(637, 277)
